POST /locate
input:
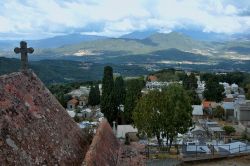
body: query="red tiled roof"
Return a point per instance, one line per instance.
(152, 78)
(206, 104)
(73, 101)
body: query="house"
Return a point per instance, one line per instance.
(159, 85)
(152, 78)
(83, 100)
(242, 111)
(229, 98)
(198, 132)
(214, 129)
(86, 113)
(229, 110)
(123, 129)
(208, 106)
(197, 112)
(72, 104)
(71, 113)
(84, 124)
(83, 90)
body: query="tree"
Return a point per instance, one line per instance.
(247, 90)
(190, 82)
(133, 93)
(91, 99)
(214, 91)
(194, 98)
(119, 91)
(178, 112)
(229, 130)
(97, 94)
(219, 112)
(168, 112)
(107, 99)
(147, 114)
(94, 95)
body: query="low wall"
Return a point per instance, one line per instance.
(104, 148)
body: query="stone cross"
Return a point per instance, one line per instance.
(24, 54)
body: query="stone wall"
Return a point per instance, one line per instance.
(104, 148)
(34, 128)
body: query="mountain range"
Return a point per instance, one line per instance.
(132, 54)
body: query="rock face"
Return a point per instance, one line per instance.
(34, 128)
(104, 149)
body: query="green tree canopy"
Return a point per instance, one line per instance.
(107, 98)
(97, 94)
(194, 98)
(214, 91)
(119, 91)
(168, 112)
(94, 95)
(219, 112)
(190, 82)
(133, 93)
(229, 130)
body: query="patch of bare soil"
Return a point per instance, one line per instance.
(132, 155)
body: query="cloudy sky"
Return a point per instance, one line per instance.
(30, 19)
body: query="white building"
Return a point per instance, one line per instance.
(71, 113)
(151, 85)
(87, 113)
(197, 112)
(83, 90)
(123, 129)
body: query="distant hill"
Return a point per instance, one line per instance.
(155, 42)
(138, 34)
(59, 41)
(133, 44)
(52, 42)
(175, 40)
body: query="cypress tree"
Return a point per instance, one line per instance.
(119, 91)
(107, 99)
(97, 95)
(92, 98)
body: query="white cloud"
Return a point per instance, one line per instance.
(45, 17)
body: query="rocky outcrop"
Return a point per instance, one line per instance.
(34, 128)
